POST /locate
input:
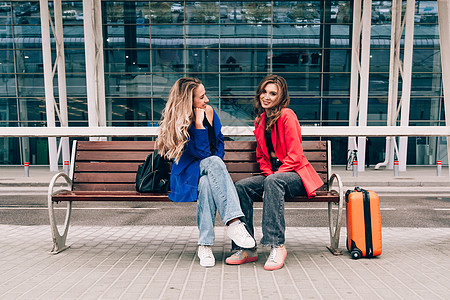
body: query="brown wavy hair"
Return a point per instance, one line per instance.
(177, 116)
(274, 114)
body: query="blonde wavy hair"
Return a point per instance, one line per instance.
(283, 100)
(177, 116)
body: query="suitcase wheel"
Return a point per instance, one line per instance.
(356, 254)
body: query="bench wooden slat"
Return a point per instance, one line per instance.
(105, 187)
(115, 145)
(107, 167)
(112, 155)
(105, 177)
(135, 196)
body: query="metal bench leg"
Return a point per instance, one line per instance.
(335, 219)
(59, 241)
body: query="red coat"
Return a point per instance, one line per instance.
(287, 143)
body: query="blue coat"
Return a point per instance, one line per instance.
(184, 175)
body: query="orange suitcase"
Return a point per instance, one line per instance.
(363, 223)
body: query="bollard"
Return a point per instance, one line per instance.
(395, 168)
(66, 167)
(439, 168)
(26, 167)
(355, 168)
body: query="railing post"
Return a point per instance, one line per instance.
(26, 167)
(438, 168)
(66, 167)
(395, 168)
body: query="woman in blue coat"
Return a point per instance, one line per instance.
(190, 135)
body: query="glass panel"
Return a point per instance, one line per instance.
(211, 83)
(27, 31)
(167, 60)
(26, 12)
(340, 36)
(127, 12)
(426, 84)
(6, 61)
(130, 85)
(163, 82)
(307, 109)
(427, 12)
(302, 83)
(76, 85)
(296, 36)
(202, 61)
(77, 108)
(202, 12)
(5, 32)
(336, 84)
(29, 61)
(379, 60)
(335, 109)
(377, 111)
(202, 36)
(425, 109)
(296, 60)
(426, 60)
(7, 85)
(302, 13)
(379, 84)
(127, 60)
(381, 12)
(244, 31)
(166, 12)
(250, 60)
(167, 36)
(240, 85)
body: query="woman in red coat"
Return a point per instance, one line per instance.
(285, 171)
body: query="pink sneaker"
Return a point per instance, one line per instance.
(242, 256)
(276, 258)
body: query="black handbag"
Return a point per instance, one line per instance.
(153, 175)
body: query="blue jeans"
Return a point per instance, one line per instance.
(216, 191)
(276, 188)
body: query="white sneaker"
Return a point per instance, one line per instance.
(206, 256)
(240, 236)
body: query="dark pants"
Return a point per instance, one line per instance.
(276, 188)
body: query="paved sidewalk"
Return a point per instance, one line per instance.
(154, 262)
(160, 262)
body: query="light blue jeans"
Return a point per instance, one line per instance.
(216, 192)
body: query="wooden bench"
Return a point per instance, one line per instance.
(106, 170)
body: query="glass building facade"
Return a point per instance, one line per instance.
(230, 46)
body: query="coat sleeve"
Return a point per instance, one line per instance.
(220, 146)
(198, 144)
(293, 140)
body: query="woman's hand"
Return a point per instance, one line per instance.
(199, 115)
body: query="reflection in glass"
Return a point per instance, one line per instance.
(302, 83)
(202, 61)
(250, 60)
(202, 12)
(306, 108)
(336, 84)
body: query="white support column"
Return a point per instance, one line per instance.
(394, 68)
(364, 84)
(61, 63)
(359, 85)
(48, 81)
(444, 37)
(93, 40)
(406, 82)
(355, 69)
